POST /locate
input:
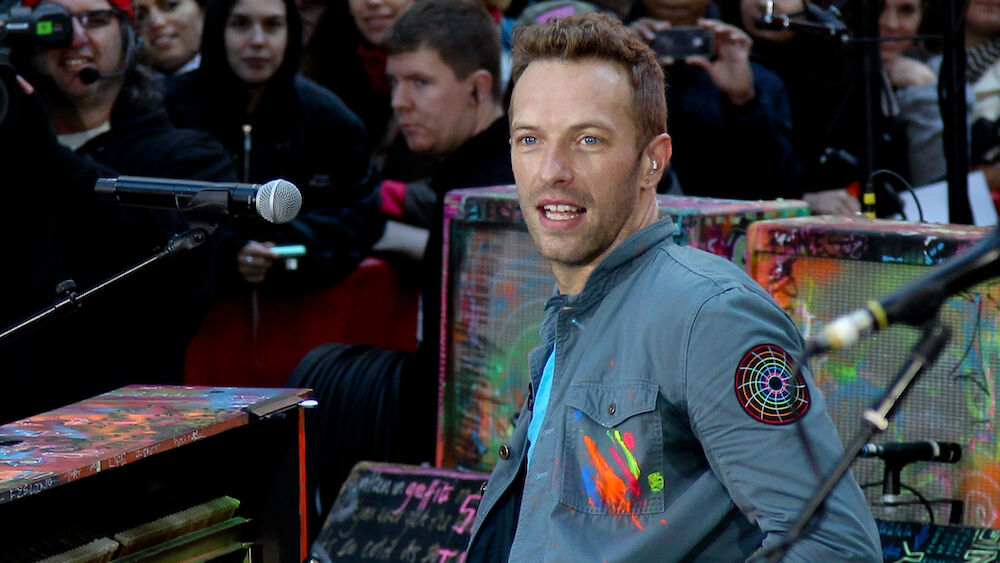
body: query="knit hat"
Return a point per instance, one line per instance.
(124, 5)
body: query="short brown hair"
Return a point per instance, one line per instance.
(461, 31)
(602, 37)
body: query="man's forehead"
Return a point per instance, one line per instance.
(591, 70)
(587, 87)
(422, 60)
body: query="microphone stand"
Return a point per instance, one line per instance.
(924, 353)
(73, 301)
(951, 99)
(951, 91)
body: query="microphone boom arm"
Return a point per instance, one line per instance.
(932, 341)
(71, 301)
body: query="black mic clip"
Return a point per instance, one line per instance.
(900, 454)
(825, 22)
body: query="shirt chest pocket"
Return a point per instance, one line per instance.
(613, 449)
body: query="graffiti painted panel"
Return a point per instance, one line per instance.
(820, 268)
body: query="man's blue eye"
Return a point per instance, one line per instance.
(590, 140)
(528, 140)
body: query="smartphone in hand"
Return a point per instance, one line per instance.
(685, 41)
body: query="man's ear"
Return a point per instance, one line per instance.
(482, 85)
(656, 159)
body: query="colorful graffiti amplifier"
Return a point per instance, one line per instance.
(819, 268)
(494, 295)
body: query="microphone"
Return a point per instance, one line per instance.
(902, 453)
(277, 201)
(90, 75)
(919, 300)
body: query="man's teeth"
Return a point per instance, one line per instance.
(75, 62)
(561, 211)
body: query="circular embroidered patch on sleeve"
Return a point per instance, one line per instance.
(767, 389)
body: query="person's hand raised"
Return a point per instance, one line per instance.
(730, 69)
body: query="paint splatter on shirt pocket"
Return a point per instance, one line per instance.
(613, 450)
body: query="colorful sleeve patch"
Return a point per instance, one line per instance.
(767, 389)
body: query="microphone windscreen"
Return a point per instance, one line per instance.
(89, 75)
(278, 201)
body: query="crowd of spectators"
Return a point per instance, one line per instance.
(374, 109)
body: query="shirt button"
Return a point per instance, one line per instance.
(611, 408)
(482, 488)
(504, 452)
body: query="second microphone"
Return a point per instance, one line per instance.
(277, 201)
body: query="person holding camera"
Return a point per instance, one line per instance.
(821, 77)
(85, 111)
(721, 105)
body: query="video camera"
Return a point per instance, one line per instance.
(48, 25)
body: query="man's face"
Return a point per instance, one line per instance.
(677, 12)
(97, 45)
(436, 110)
(576, 165)
(171, 29)
(375, 17)
(256, 37)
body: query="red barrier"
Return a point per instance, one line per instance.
(371, 306)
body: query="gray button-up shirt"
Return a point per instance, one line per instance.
(670, 432)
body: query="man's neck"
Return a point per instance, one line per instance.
(486, 114)
(69, 117)
(571, 279)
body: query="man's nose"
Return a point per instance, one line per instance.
(401, 98)
(80, 37)
(155, 18)
(555, 169)
(889, 20)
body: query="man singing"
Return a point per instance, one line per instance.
(661, 419)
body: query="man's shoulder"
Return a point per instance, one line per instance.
(483, 160)
(767, 79)
(314, 97)
(684, 275)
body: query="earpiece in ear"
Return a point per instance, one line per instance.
(653, 166)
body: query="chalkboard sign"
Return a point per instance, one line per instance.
(405, 513)
(929, 543)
